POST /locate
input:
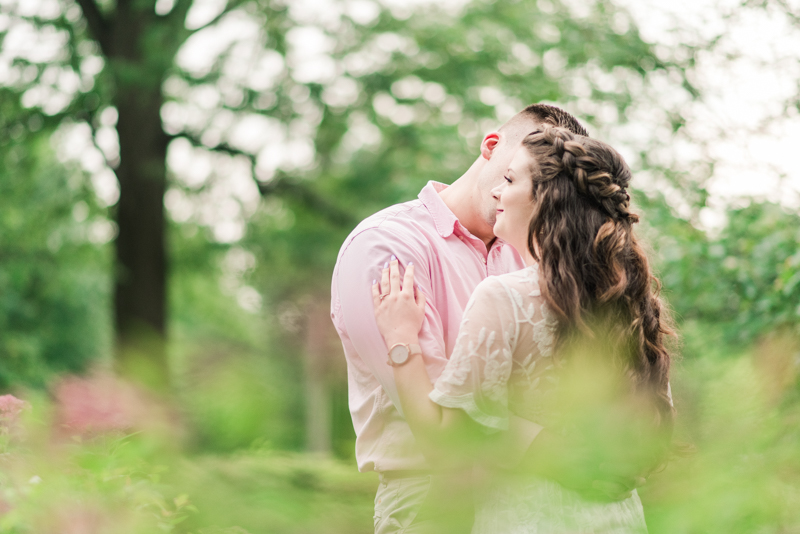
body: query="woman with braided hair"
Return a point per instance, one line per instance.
(575, 342)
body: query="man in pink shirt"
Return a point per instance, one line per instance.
(447, 234)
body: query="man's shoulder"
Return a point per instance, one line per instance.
(389, 215)
(400, 221)
(399, 229)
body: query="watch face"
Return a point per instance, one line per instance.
(399, 354)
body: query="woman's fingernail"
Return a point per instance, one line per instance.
(394, 258)
(374, 282)
(410, 263)
(386, 265)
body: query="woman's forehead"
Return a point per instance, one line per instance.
(523, 162)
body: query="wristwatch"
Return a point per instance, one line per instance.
(400, 352)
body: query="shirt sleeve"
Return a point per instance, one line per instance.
(477, 374)
(360, 264)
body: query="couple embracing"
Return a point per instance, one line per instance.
(465, 317)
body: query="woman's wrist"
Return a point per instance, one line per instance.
(393, 340)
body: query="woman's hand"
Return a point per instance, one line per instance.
(399, 307)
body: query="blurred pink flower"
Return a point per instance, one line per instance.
(10, 410)
(97, 404)
(11, 407)
(5, 507)
(75, 519)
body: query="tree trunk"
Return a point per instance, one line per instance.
(317, 369)
(141, 267)
(140, 292)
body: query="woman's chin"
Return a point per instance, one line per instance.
(500, 233)
(518, 244)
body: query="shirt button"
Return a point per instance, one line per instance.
(484, 261)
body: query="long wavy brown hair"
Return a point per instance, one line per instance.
(596, 276)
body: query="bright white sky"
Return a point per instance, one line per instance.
(755, 142)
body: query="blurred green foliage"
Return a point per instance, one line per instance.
(282, 493)
(53, 279)
(739, 408)
(739, 282)
(132, 481)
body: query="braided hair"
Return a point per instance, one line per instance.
(596, 276)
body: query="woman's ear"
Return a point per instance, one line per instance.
(488, 144)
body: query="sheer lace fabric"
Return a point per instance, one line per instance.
(503, 363)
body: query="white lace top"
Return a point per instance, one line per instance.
(503, 363)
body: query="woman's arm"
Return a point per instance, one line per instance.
(399, 312)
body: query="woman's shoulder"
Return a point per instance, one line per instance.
(523, 279)
(524, 282)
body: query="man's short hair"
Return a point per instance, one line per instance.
(547, 114)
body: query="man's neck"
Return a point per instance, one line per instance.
(461, 198)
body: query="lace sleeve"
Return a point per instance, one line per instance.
(477, 374)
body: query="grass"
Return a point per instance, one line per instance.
(276, 493)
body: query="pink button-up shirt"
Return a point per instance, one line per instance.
(450, 262)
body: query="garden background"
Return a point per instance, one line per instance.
(177, 177)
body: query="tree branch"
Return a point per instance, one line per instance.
(89, 118)
(787, 9)
(284, 186)
(309, 198)
(98, 25)
(232, 4)
(177, 17)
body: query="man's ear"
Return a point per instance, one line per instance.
(488, 144)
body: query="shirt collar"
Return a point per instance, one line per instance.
(444, 219)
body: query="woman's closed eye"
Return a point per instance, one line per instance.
(507, 179)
